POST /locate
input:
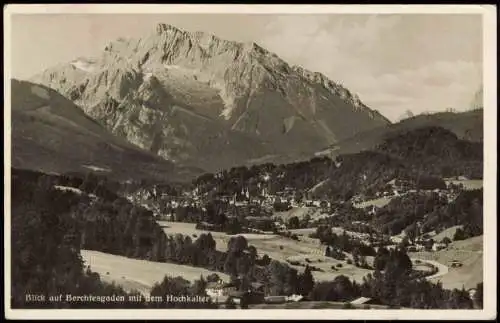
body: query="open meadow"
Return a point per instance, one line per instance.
(305, 251)
(469, 253)
(138, 274)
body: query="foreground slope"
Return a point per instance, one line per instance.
(51, 134)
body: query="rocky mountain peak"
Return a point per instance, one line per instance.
(162, 28)
(191, 95)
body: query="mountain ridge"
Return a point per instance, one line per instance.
(227, 88)
(51, 134)
(467, 125)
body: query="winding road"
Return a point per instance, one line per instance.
(442, 269)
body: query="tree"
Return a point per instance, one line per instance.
(233, 226)
(459, 235)
(428, 244)
(446, 241)
(356, 256)
(381, 259)
(460, 299)
(411, 232)
(237, 244)
(199, 286)
(244, 301)
(340, 289)
(253, 254)
(306, 282)
(176, 286)
(404, 243)
(213, 278)
(293, 223)
(478, 296)
(402, 260)
(244, 283)
(230, 265)
(266, 260)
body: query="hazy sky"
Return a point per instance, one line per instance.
(397, 62)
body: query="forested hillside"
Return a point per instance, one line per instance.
(421, 153)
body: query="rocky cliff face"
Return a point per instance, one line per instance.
(195, 98)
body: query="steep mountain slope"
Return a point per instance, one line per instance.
(195, 98)
(51, 134)
(465, 125)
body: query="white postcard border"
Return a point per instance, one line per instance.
(489, 178)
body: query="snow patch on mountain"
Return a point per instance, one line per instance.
(147, 76)
(288, 124)
(84, 65)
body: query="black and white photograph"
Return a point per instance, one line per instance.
(250, 161)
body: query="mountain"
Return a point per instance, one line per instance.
(465, 125)
(51, 134)
(208, 102)
(435, 151)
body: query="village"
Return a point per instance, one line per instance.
(263, 212)
(269, 214)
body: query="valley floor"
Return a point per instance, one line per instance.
(141, 274)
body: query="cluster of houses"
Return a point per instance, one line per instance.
(221, 292)
(422, 243)
(397, 187)
(255, 207)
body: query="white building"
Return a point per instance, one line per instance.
(219, 289)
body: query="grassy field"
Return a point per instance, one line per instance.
(469, 184)
(221, 238)
(138, 274)
(310, 251)
(299, 212)
(468, 252)
(380, 202)
(449, 233)
(281, 249)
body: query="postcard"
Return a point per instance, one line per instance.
(250, 161)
